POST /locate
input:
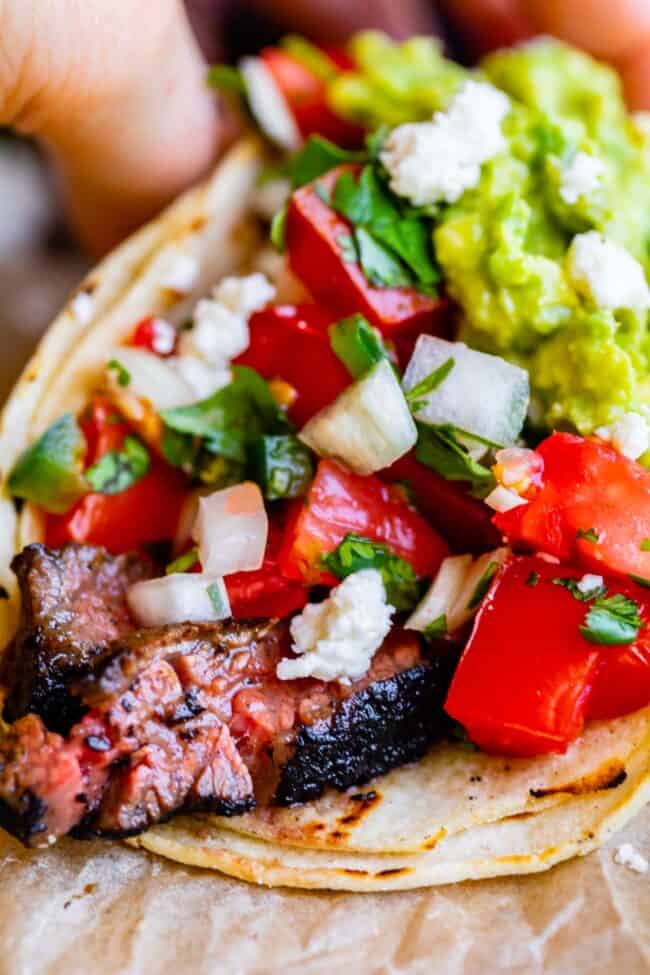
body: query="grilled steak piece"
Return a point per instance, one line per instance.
(73, 607)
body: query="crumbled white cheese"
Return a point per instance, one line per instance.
(217, 334)
(269, 198)
(202, 378)
(605, 272)
(437, 161)
(82, 307)
(628, 857)
(181, 273)
(244, 295)
(589, 583)
(268, 105)
(504, 499)
(336, 639)
(164, 336)
(220, 330)
(581, 177)
(630, 435)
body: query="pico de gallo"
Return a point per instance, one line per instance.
(458, 404)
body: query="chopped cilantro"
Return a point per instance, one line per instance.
(283, 466)
(483, 585)
(427, 385)
(279, 228)
(357, 344)
(227, 79)
(231, 419)
(532, 579)
(378, 214)
(119, 469)
(589, 535)
(122, 375)
(316, 158)
(440, 448)
(218, 599)
(612, 621)
(380, 266)
(183, 562)
(645, 545)
(347, 248)
(436, 628)
(355, 553)
(571, 585)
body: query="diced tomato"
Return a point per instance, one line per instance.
(522, 684)
(593, 508)
(528, 679)
(265, 592)
(340, 503)
(291, 342)
(146, 512)
(623, 681)
(306, 96)
(315, 238)
(462, 520)
(155, 335)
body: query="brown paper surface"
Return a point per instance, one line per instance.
(104, 908)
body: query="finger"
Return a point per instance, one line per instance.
(331, 21)
(607, 30)
(119, 99)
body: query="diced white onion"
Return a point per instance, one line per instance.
(442, 594)
(153, 378)
(268, 104)
(454, 592)
(503, 499)
(367, 427)
(190, 597)
(231, 529)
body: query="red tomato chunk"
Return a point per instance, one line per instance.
(593, 508)
(146, 512)
(528, 679)
(340, 503)
(315, 238)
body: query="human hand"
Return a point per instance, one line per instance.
(117, 93)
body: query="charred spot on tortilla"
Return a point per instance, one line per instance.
(394, 871)
(610, 776)
(365, 802)
(433, 841)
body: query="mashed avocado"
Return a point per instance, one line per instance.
(574, 162)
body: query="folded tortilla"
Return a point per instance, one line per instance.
(458, 814)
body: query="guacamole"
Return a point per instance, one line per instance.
(573, 162)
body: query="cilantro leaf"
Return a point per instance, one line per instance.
(347, 248)
(612, 621)
(227, 79)
(645, 545)
(317, 157)
(641, 581)
(122, 375)
(357, 344)
(436, 628)
(428, 384)
(119, 469)
(483, 584)
(589, 535)
(283, 466)
(440, 448)
(571, 585)
(533, 579)
(369, 205)
(183, 562)
(355, 553)
(229, 420)
(378, 263)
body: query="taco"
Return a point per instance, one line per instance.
(328, 566)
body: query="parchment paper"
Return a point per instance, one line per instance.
(103, 908)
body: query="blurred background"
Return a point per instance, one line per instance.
(40, 261)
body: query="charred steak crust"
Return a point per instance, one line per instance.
(389, 723)
(73, 607)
